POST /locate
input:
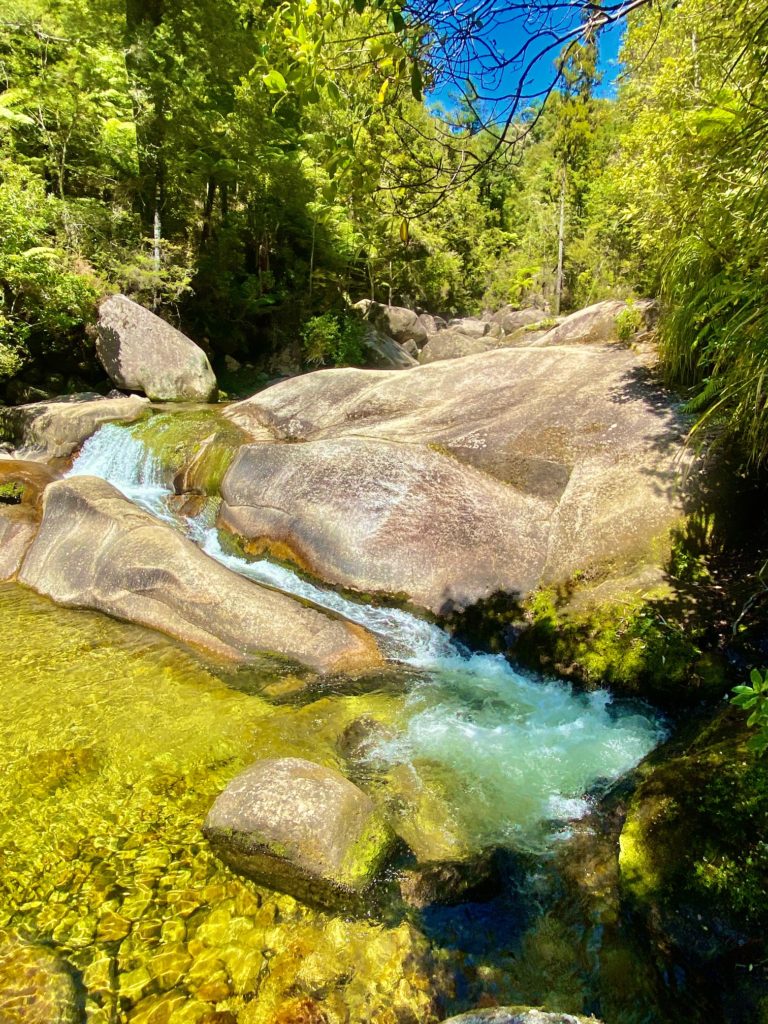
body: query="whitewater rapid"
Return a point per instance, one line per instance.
(517, 750)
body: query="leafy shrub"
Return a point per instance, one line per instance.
(629, 322)
(333, 339)
(754, 698)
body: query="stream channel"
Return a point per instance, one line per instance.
(117, 740)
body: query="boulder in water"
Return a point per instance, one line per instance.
(96, 549)
(141, 352)
(54, 429)
(36, 986)
(301, 828)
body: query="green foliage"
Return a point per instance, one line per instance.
(754, 698)
(628, 322)
(333, 339)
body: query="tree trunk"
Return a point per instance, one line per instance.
(558, 297)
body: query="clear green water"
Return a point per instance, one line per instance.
(114, 742)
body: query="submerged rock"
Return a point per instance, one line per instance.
(36, 986)
(142, 352)
(96, 549)
(580, 462)
(301, 828)
(517, 1015)
(54, 429)
(375, 515)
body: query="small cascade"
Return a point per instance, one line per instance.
(115, 455)
(516, 753)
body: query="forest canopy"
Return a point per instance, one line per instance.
(242, 168)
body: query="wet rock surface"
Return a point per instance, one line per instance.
(95, 549)
(18, 527)
(299, 827)
(142, 352)
(55, 429)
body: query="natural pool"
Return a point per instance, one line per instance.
(116, 740)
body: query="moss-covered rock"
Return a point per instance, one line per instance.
(694, 851)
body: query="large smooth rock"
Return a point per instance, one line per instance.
(36, 986)
(511, 319)
(453, 344)
(96, 549)
(299, 827)
(580, 461)
(376, 515)
(596, 324)
(469, 327)
(384, 352)
(141, 352)
(18, 526)
(517, 1015)
(398, 322)
(54, 429)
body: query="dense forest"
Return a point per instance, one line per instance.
(243, 169)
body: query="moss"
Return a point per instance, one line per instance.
(694, 841)
(198, 445)
(11, 493)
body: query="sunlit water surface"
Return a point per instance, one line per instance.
(116, 740)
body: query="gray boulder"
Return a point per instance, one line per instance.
(96, 549)
(300, 828)
(55, 429)
(597, 324)
(385, 353)
(431, 324)
(141, 352)
(511, 319)
(396, 321)
(469, 327)
(451, 344)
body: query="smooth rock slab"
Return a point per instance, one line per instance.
(18, 527)
(96, 549)
(36, 987)
(590, 449)
(597, 324)
(53, 430)
(377, 516)
(300, 828)
(141, 352)
(454, 344)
